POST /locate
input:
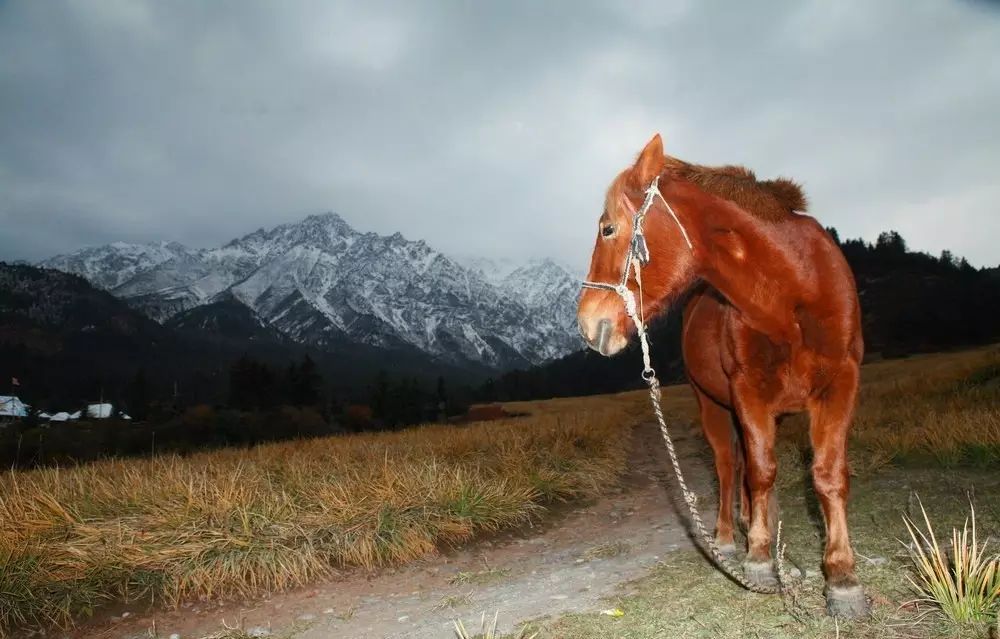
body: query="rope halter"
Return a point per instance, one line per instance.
(636, 257)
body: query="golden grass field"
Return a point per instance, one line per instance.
(246, 522)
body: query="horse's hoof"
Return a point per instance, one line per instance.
(760, 573)
(728, 551)
(846, 602)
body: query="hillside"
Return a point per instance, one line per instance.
(68, 342)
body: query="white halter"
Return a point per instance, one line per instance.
(636, 257)
(637, 247)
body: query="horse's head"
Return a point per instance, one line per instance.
(601, 315)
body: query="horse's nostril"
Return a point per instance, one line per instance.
(603, 333)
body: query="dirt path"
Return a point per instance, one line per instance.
(580, 556)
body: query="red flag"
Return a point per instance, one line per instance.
(14, 382)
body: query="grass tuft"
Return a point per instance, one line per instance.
(454, 601)
(488, 630)
(965, 587)
(606, 550)
(479, 577)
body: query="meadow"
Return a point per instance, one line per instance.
(240, 523)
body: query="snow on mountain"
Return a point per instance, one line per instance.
(492, 270)
(114, 264)
(320, 282)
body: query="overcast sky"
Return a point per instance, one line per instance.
(489, 128)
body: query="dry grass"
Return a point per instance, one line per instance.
(966, 586)
(915, 416)
(488, 630)
(242, 523)
(939, 409)
(606, 550)
(480, 577)
(454, 601)
(927, 410)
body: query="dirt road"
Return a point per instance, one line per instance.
(579, 557)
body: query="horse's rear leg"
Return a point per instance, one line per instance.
(758, 424)
(830, 416)
(717, 423)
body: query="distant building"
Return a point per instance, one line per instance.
(11, 406)
(99, 411)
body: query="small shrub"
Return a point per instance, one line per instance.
(966, 587)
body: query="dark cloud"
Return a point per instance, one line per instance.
(485, 127)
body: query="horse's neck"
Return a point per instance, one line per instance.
(752, 264)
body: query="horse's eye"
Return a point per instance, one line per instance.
(608, 230)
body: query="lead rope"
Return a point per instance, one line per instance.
(690, 498)
(638, 254)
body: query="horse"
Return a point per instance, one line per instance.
(771, 326)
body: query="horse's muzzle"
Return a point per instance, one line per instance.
(599, 339)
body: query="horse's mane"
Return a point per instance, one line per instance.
(771, 200)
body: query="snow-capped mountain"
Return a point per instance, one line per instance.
(114, 264)
(321, 282)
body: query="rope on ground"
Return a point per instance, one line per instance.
(725, 563)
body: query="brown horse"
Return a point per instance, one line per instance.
(771, 326)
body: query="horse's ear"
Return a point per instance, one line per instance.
(651, 161)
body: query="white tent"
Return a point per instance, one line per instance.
(61, 416)
(99, 411)
(11, 406)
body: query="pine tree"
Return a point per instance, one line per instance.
(137, 396)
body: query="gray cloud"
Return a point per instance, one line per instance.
(487, 128)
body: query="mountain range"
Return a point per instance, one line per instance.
(321, 283)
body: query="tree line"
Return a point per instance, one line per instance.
(264, 403)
